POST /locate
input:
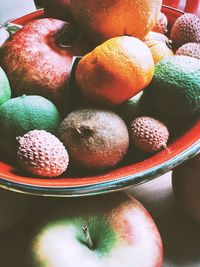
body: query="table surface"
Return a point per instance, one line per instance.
(180, 235)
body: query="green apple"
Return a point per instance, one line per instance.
(186, 186)
(12, 208)
(97, 231)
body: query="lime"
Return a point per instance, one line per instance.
(25, 113)
(175, 88)
(5, 91)
(130, 109)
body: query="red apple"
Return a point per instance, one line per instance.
(186, 186)
(107, 230)
(38, 57)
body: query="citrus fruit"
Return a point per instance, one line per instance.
(115, 71)
(159, 45)
(130, 109)
(25, 113)
(5, 91)
(175, 88)
(102, 20)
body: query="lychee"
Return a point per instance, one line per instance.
(189, 49)
(148, 134)
(96, 139)
(41, 153)
(186, 29)
(161, 24)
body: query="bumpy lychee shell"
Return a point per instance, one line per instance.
(148, 134)
(161, 24)
(96, 139)
(42, 153)
(186, 29)
(189, 49)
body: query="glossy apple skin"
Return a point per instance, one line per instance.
(34, 61)
(58, 9)
(123, 233)
(186, 186)
(13, 206)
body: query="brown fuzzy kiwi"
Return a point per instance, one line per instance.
(96, 139)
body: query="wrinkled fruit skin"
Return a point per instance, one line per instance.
(186, 29)
(148, 134)
(35, 63)
(96, 139)
(161, 24)
(189, 49)
(41, 153)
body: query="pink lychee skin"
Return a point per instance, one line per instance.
(148, 134)
(43, 154)
(189, 49)
(186, 29)
(161, 24)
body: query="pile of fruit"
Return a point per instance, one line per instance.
(91, 86)
(131, 83)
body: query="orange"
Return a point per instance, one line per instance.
(115, 70)
(105, 19)
(159, 45)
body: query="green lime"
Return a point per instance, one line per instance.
(5, 91)
(25, 113)
(130, 108)
(175, 88)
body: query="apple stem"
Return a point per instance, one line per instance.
(67, 35)
(87, 236)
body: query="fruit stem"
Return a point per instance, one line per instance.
(11, 27)
(84, 131)
(67, 35)
(87, 236)
(169, 44)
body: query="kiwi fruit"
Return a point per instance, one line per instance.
(96, 138)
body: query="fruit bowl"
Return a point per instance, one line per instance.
(181, 148)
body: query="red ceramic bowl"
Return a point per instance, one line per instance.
(185, 146)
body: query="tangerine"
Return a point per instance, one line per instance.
(115, 71)
(159, 45)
